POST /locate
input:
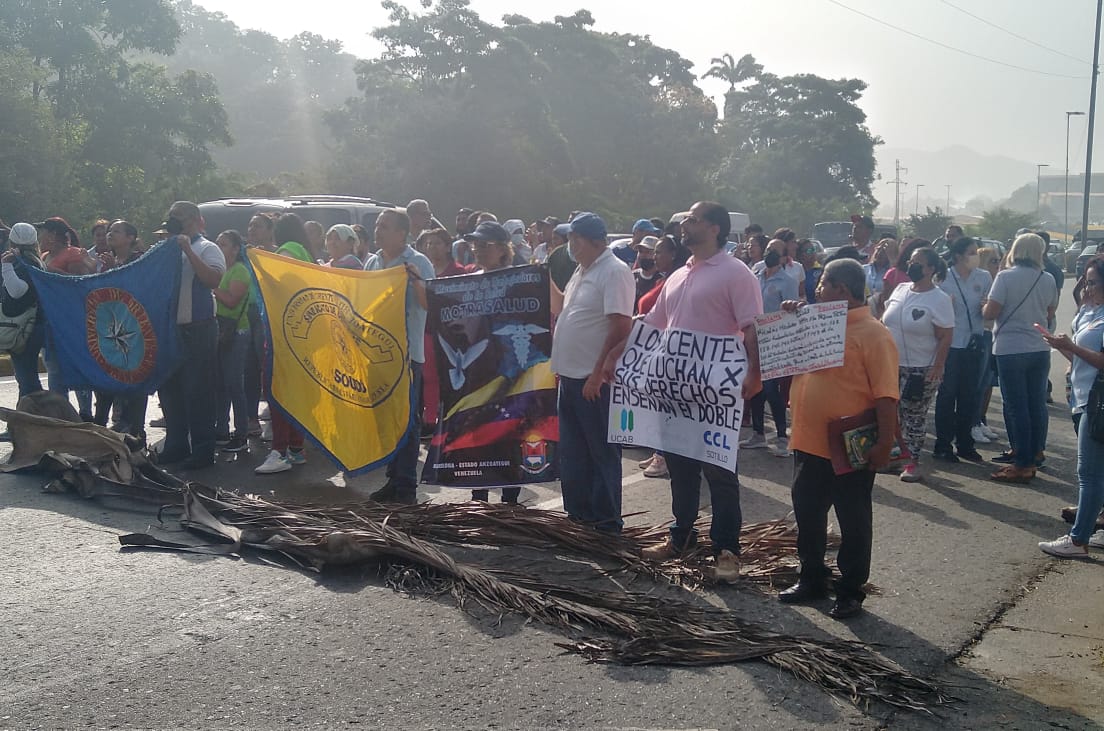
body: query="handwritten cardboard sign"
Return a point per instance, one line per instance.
(811, 339)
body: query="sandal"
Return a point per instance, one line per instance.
(1014, 474)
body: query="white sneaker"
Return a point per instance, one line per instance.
(658, 468)
(910, 473)
(274, 462)
(1064, 547)
(266, 432)
(1096, 540)
(265, 414)
(646, 463)
(990, 431)
(979, 435)
(755, 441)
(781, 448)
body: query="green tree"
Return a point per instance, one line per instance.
(112, 136)
(1002, 223)
(734, 73)
(931, 225)
(530, 118)
(803, 132)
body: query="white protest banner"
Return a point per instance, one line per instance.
(679, 391)
(808, 340)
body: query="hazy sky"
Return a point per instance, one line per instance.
(920, 96)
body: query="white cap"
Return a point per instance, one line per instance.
(648, 242)
(23, 234)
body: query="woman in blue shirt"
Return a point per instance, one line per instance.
(1083, 351)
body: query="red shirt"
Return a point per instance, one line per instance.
(70, 260)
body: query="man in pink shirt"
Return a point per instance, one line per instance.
(715, 294)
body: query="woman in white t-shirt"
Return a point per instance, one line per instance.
(921, 317)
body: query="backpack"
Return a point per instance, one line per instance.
(15, 329)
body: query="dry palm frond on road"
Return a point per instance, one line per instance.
(637, 628)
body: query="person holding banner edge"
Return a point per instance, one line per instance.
(392, 229)
(723, 300)
(868, 379)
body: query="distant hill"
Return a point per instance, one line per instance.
(969, 173)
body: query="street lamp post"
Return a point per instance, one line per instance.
(1038, 191)
(1065, 221)
(918, 187)
(947, 212)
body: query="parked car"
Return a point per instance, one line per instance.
(326, 209)
(1071, 255)
(1089, 252)
(1057, 256)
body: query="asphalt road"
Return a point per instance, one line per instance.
(94, 637)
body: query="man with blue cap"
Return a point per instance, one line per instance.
(625, 249)
(595, 314)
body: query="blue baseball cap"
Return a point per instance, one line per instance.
(645, 225)
(589, 226)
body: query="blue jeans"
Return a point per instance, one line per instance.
(590, 466)
(1090, 482)
(231, 386)
(188, 396)
(724, 494)
(402, 471)
(25, 364)
(1023, 379)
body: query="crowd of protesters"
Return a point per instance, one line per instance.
(923, 326)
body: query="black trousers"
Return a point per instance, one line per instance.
(956, 404)
(816, 488)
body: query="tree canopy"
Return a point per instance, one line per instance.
(115, 107)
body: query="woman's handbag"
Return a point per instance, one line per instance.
(1093, 420)
(15, 330)
(227, 329)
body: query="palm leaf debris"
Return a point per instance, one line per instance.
(636, 628)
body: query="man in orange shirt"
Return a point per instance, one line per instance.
(866, 380)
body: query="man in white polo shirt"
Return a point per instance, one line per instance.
(596, 316)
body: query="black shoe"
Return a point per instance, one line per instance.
(389, 493)
(1005, 457)
(195, 462)
(235, 444)
(845, 608)
(481, 496)
(971, 456)
(801, 593)
(944, 456)
(222, 441)
(165, 458)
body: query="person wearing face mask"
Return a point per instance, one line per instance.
(561, 261)
(956, 403)
(921, 318)
(645, 272)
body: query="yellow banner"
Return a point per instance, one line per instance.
(339, 354)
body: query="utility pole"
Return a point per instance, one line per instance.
(947, 212)
(1092, 125)
(1065, 221)
(897, 193)
(1038, 190)
(918, 187)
